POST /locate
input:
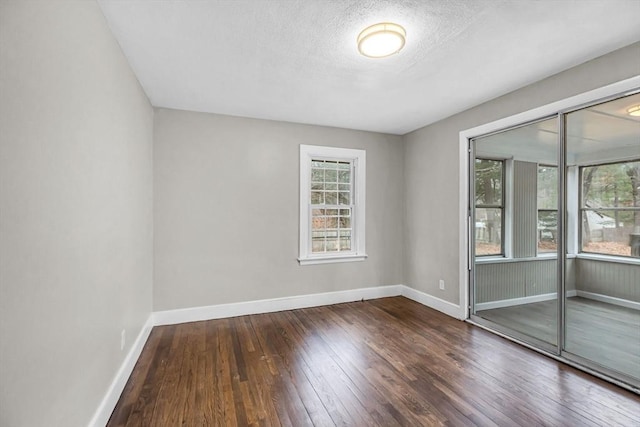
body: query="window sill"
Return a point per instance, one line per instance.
(609, 258)
(331, 259)
(543, 255)
(501, 260)
(491, 259)
(547, 257)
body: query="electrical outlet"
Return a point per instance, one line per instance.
(123, 337)
(441, 285)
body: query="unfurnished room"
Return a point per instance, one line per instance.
(319, 213)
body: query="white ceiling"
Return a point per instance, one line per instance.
(297, 61)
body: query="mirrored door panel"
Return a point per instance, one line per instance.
(515, 233)
(603, 235)
(568, 185)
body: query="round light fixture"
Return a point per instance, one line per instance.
(634, 111)
(380, 40)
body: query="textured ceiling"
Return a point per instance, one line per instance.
(297, 61)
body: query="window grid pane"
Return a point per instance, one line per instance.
(489, 182)
(604, 232)
(547, 230)
(331, 206)
(488, 231)
(547, 187)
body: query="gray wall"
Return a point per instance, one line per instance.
(432, 167)
(226, 210)
(75, 211)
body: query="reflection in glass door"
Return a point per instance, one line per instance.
(515, 211)
(603, 237)
(566, 185)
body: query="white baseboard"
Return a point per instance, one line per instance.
(611, 300)
(171, 317)
(519, 301)
(220, 311)
(109, 401)
(446, 307)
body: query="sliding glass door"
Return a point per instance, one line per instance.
(603, 238)
(555, 235)
(515, 193)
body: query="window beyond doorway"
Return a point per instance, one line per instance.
(610, 207)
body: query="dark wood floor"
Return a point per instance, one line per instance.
(604, 333)
(382, 362)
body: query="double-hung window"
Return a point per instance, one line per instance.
(332, 204)
(610, 208)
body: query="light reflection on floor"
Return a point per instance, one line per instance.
(603, 333)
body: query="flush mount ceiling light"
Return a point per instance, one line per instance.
(634, 111)
(380, 40)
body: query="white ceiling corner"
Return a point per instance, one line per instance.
(297, 60)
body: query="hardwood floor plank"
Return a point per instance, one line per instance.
(380, 371)
(394, 341)
(225, 349)
(344, 390)
(349, 383)
(301, 370)
(274, 392)
(288, 397)
(313, 345)
(385, 362)
(148, 398)
(170, 397)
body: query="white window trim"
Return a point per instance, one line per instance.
(608, 258)
(507, 233)
(358, 158)
(573, 209)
